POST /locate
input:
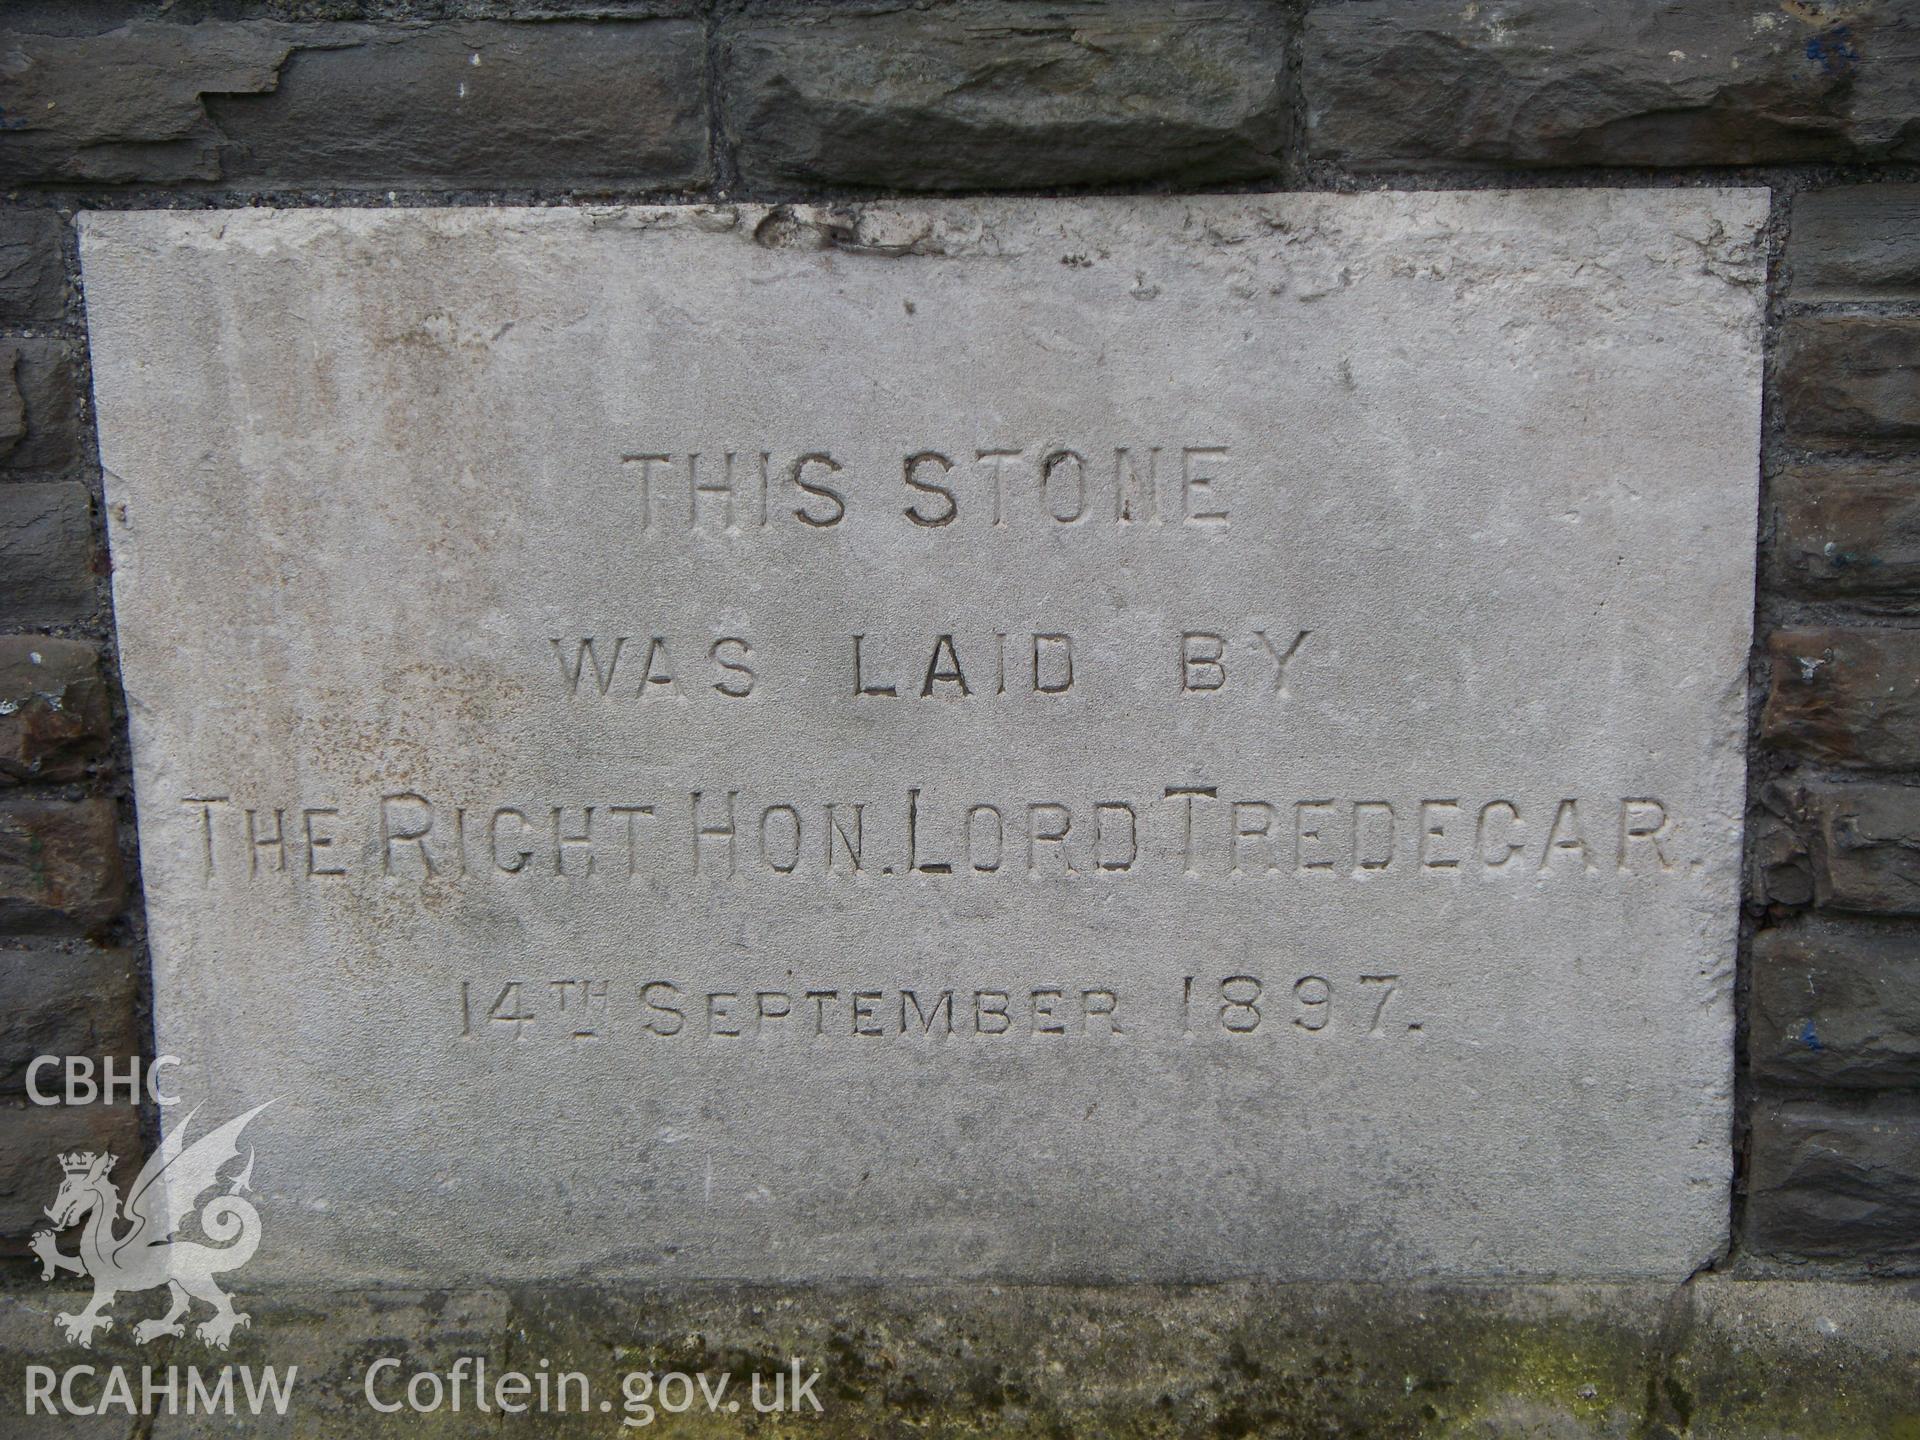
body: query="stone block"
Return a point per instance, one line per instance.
(448, 577)
(1781, 871)
(54, 716)
(73, 1000)
(32, 1139)
(33, 276)
(1865, 845)
(1850, 379)
(1845, 695)
(46, 553)
(1835, 1181)
(127, 104)
(39, 404)
(1856, 242)
(60, 869)
(1836, 1004)
(990, 95)
(482, 105)
(1406, 83)
(1849, 530)
(1801, 1356)
(265, 103)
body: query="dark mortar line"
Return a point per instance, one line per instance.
(1800, 451)
(1312, 179)
(73, 474)
(1794, 612)
(1882, 926)
(1759, 766)
(1857, 1098)
(1892, 307)
(1798, 769)
(725, 180)
(1293, 161)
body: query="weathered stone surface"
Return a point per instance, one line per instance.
(127, 104)
(46, 553)
(1281, 1361)
(1836, 1004)
(33, 282)
(60, 870)
(1849, 530)
(267, 103)
(329, 1339)
(952, 1361)
(1856, 242)
(1567, 82)
(77, 1001)
(54, 717)
(360, 597)
(1782, 869)
(485, 105)
(1845, 695)
(1802, 1357)
(1851, 378)
(1721, 1357)
(39, 421)
(985, 94)
(1865, 846)
(32, 1138)
(1836, 1181)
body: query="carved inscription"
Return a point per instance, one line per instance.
(952, 664)
(736, 491)
(736, 834)
(652, 1009)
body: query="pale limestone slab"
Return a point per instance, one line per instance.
(1465, 482)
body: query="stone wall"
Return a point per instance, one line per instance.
(210, 103)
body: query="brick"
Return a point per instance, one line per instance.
(484, 104)
(1856, 242)
(1835, 1004)
(1849, 530)
(1844, 695)
(1864, 845)
(1845, 379)
(56, 1002)
(41, 429)
(33, 277)
(46, 553)
(60, 869)
(988, 94)
(32, 1139)
(54, 716)
(1392, 83)
(1833, 1181)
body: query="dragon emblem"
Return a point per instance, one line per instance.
(148, 1253)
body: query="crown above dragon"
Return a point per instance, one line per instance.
(78, 1162)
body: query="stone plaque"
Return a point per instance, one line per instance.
(1125, 738)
